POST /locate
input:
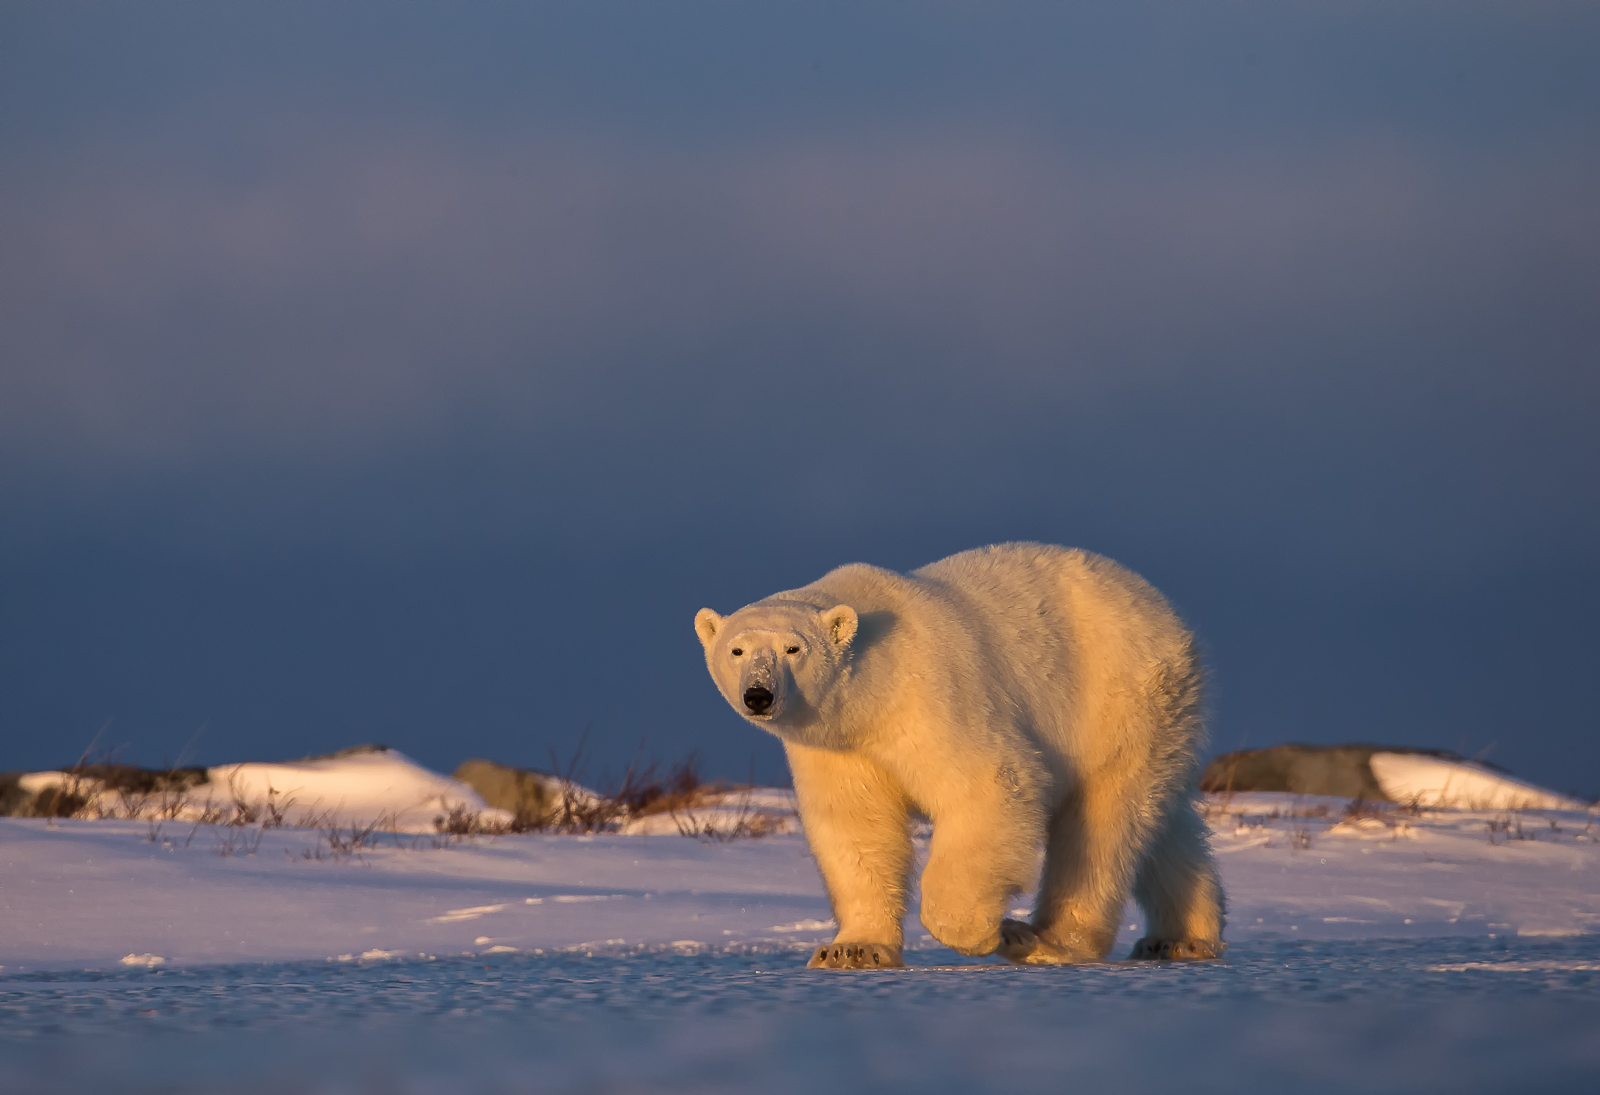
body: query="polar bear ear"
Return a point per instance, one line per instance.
(706, 623)
(840, 622)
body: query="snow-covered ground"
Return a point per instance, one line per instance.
(96, 894)
(729, 1027)
(1383, 950)
(658, 1026)
(359, 787)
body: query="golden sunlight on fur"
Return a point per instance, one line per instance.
(1021, 697)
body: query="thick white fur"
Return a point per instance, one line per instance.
(1020, 697)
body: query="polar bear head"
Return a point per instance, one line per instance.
(777, 661)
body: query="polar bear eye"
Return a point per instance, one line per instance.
(738, 652)
(792, 650)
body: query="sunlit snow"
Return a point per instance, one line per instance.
(104, 893)
(381, 786)
(1437, 781)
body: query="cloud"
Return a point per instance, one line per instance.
(346, 297)
(532, 332)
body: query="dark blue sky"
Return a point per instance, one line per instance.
(413, 373)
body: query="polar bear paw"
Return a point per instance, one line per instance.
(1021, 944)
(856, 956)
(1177, 950)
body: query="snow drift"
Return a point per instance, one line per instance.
(369, 785)
(1440, 782)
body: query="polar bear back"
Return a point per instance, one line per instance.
(1073, 658)
(1033, 597)
(1078, 632)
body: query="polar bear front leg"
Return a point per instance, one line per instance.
(857, 824)
(978, 859)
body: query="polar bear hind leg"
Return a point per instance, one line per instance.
(1093, 846)
(1129, 829)
(1178, 889)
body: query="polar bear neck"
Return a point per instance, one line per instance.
(860, 703)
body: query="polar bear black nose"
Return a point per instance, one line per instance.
(757, 699)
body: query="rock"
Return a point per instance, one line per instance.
(531, 795)
(1342, 770)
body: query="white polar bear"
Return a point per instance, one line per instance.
(1017, 696)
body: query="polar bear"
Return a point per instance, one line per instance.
(1020, 696)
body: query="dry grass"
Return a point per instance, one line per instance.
(107, 790)
(348, 842)
(1299, 836)
(1508, 826)
(643, 790)
(1362, 814)
(746, 823)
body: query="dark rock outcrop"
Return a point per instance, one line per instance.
(1342, 770)
(531, 795)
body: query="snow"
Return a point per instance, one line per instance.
(382, 786)
(149, 961)
(99, 894)
(763, 810)
(631, 961)
(1436, 781)
(1516, 967)
(355, 789)
(923, 1033)
(1297, 864)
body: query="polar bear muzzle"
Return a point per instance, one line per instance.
(757, 699)
(759, 685)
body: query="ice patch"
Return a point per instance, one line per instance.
(372, 956)
(594, 944)
(803, 926)
(455, 915)
(1553, 966)
(149, 961)
(1372, 828)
